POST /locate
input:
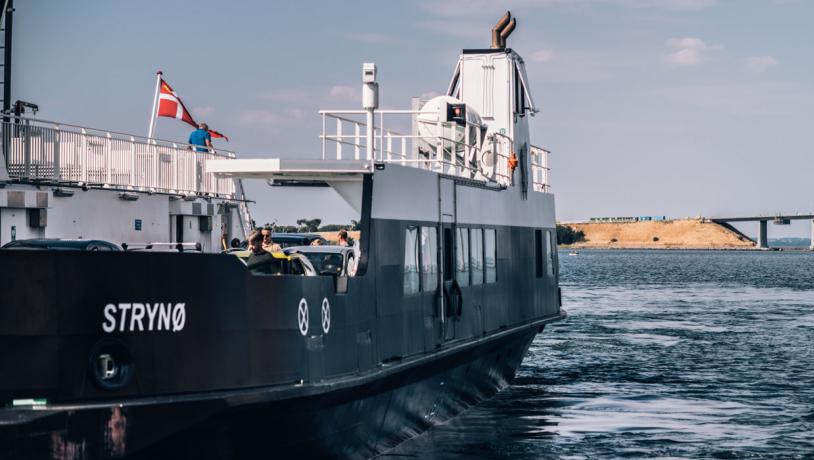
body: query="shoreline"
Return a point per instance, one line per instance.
(689, 248)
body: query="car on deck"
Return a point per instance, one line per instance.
(287, 240)
(58, 244)
(329, 260)
(283, 264)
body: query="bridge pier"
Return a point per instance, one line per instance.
(762, 236)
(812, 235)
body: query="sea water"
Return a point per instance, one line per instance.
(664, 354)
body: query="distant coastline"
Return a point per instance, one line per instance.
(667, 234)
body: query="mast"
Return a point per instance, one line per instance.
(7, 14)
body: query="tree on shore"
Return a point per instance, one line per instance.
(568, 235)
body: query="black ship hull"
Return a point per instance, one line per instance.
(191, 355)
(365, 417)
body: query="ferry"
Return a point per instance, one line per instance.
(127, 330)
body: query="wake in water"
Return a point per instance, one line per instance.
(664, 354)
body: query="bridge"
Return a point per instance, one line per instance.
(763, 224)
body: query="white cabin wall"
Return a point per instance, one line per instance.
(15, 220)
(102, 214)
(486, 86)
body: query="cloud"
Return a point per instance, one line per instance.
(743, 99)
(461, 28)
(203, 111)
(760, 64)
(570, 66)
(287, 95)
(371, 37)
(542, 55)
(687, 52)
(344, 92)
(673, 5)
(491, 9)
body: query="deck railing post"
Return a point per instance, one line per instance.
(338, 139)
(57, 153)
(84, 156)
(155, 165)
(175, 167)
(323, 135)
(26, 149)
(132, 162)
(356, 140)
(439, 147)
(109, 155)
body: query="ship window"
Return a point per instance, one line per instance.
(411, 260)
(538, 253)
(550, 247)
(490, 255)
(429, 259)
(476, 261)
(462, 256)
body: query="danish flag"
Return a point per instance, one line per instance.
(170, 105)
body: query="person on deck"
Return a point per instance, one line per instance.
(268, 244)
(201, 138)
(260, 260)
(343, 238)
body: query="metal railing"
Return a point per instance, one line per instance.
(445, 147)
(61, 153)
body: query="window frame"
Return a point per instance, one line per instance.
(417, 258)
(493, 231)
(472, 280)
(431, 229)
(538, 253)
(462, 279)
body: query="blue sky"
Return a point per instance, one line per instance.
(676, 107)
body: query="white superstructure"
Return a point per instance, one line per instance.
(66, 181)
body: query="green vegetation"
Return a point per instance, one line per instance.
(313, 225)
(568, 235)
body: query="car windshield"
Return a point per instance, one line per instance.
(325, 262)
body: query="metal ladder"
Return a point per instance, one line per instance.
(245, 215)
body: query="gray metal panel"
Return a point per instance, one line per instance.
(42, 199)
(481, 206)
(405, 193)
(446, 188)
(16, 199)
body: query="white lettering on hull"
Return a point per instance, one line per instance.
(133, 317)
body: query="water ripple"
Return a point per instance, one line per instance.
(665, 354)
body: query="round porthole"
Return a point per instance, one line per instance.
(111, 366)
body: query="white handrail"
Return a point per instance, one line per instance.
(64, 153)
(454, 149)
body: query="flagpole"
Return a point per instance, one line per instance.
(155, 103)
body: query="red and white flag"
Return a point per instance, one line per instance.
(170, 105)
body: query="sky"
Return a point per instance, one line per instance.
(650, 107)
